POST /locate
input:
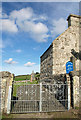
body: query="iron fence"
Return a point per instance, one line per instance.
(39, 97)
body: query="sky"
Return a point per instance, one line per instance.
(28, 29)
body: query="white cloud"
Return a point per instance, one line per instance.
(0, 12)
(38, 31)
(10, 61)
(26, 20)
(8, 25)
(4, 15)
(43, 17)
(21, 70)
(26, 14)
(29, 64)
(40, 37)
(18, 51)
(39, 17)
(59, 26)
(23, 14)
(39, 28)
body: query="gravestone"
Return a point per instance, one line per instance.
(32, 76)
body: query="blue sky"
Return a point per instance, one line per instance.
(27, 31)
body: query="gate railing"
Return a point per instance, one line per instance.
(39, 97)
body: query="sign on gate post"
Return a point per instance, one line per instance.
(69, 67)
(40, 97)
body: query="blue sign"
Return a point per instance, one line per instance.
(69, 67)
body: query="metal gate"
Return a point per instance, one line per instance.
(38, 97)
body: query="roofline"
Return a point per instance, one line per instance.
(72, 15)
(53, 41)
(47, 49)
(61, 34)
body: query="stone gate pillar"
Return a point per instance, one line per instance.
(76, 91)
(6, 88)
(9, 95)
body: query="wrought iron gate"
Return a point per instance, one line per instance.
(38, 97)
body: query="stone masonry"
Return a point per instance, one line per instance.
(47, 64)
(60, 51)
(64, 48)
(6, 81)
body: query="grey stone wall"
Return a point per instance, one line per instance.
(47, 65)
(76, 91)
(6, 79)
(73, 20)
(64, 48)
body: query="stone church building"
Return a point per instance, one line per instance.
(66, 47)
(63, 49)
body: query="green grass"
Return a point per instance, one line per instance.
(37, 75)
(77, 108)
(33, 82)
(16, 85)
(6, 116)
(22, 77)
(25, 77)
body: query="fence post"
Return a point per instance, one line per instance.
(9, 100)
(68, 85)
(10, 94)
(40, 97)
(76, 93)
(8, 88)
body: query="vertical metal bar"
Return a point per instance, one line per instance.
(68, 85)
(63, 92)
(68, 96)
(40, 97)
(46, 98)
(35, 97)
(16, 85)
